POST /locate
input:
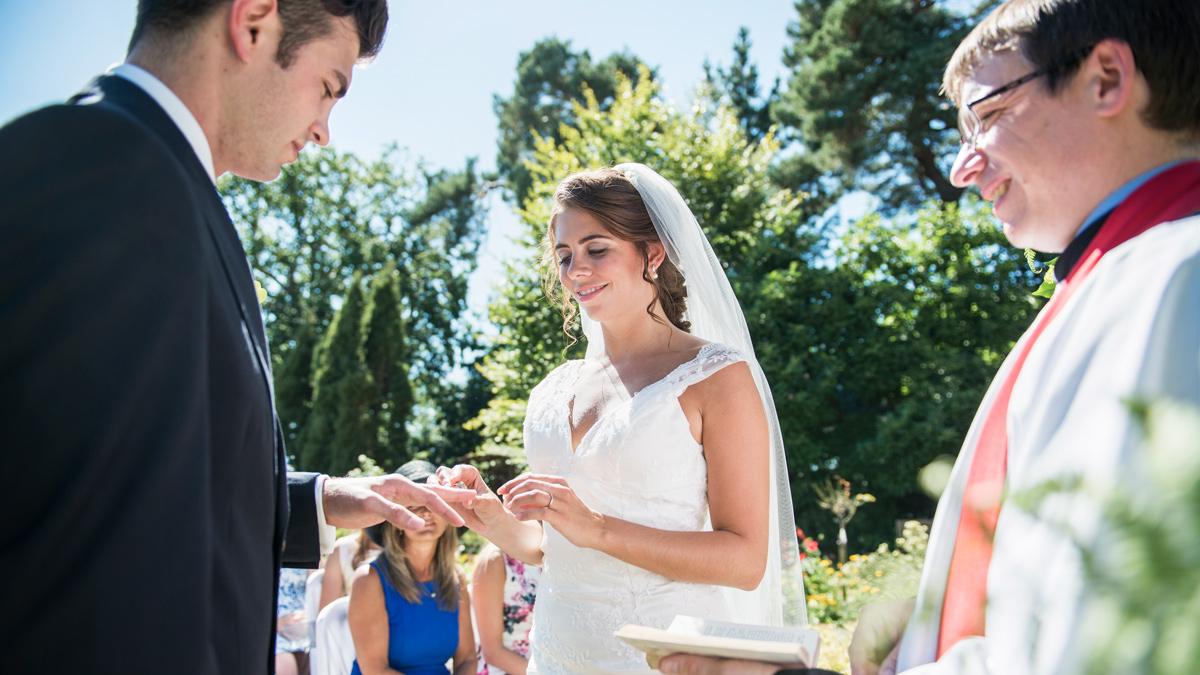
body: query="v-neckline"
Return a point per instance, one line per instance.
(628, 400)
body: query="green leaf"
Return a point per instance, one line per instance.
(1031, 259)
(1046, 290)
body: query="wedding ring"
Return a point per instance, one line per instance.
(549, 502)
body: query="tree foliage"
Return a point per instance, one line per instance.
(550, 77)
(862, 99)
(331, 218)
(338, 429)
(888, 352)
(738, 87)
(384, 352)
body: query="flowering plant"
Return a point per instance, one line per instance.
(837, 592)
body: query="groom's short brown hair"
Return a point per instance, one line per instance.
(303, 21)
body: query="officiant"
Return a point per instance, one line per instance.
(1080, 123)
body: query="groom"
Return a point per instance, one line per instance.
(147, 509)
(1081, 124)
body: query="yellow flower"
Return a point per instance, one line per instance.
(260, 291)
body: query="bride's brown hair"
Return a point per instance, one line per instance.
(609, 196)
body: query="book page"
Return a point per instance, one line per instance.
(691, 625)
(691, 635)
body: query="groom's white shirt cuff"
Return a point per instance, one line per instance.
(327, 532)
(175, 108)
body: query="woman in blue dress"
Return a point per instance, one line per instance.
(409, 609)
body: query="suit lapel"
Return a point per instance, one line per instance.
(131, 98)
(231, 256)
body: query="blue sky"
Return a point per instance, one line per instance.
(431, 89)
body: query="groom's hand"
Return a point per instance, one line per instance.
(355, 503)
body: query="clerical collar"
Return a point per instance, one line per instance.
(1091, 224)
(175, 109)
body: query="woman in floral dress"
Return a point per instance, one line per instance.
(504, 590)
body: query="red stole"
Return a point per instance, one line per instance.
(1171, 195)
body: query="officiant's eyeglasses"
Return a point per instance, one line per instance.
(970, 124)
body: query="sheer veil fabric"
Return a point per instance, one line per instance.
(716, 316)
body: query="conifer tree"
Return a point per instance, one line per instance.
(338, 429)
(386, 360)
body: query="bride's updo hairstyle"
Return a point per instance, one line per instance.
(613, 200)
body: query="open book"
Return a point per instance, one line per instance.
(691, 635)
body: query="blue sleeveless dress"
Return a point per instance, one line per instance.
(421, 637)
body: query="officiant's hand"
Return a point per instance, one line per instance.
(355, 503)
(690, 664)
(533, 496)
(876, 642)
(483, 511)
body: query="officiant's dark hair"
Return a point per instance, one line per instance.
(612, 198)
(1057, 35)
(303, 21)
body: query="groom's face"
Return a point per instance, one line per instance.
(285, 108)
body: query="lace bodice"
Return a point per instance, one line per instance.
(638, 462)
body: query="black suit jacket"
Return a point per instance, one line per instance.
(145, 497)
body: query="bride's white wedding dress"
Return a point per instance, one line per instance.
(638, 462)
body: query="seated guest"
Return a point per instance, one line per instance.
(503, 593)
(291, 627)
(349, 552)
(409, 609)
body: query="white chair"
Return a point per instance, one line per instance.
(333, 649)
(312, 604)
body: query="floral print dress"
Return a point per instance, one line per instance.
(520, 592)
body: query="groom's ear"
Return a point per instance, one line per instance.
(254, 28)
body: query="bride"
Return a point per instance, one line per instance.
(658, 484)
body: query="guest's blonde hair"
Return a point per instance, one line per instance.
(446, 576)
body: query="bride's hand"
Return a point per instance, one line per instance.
(551, 499)
(485, 510)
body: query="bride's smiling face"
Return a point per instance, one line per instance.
(602, 273)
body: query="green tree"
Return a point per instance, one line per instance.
(384, 353)
(737, 86)
(550, 77)
(862, 99)
(889, 353)
(339, 428)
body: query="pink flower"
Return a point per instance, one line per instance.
(799, 533)
(811, 545)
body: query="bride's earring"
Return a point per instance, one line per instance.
(653, 273)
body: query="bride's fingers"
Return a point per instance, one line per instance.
(465, 474)
(503, 489)
(522, 482)
(530, 499)
(531, 514)
(470, 519)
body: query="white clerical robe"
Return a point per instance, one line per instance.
(1132, 329)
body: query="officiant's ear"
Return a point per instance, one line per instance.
(254, 27)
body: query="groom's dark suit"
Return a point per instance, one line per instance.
(145, 499)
